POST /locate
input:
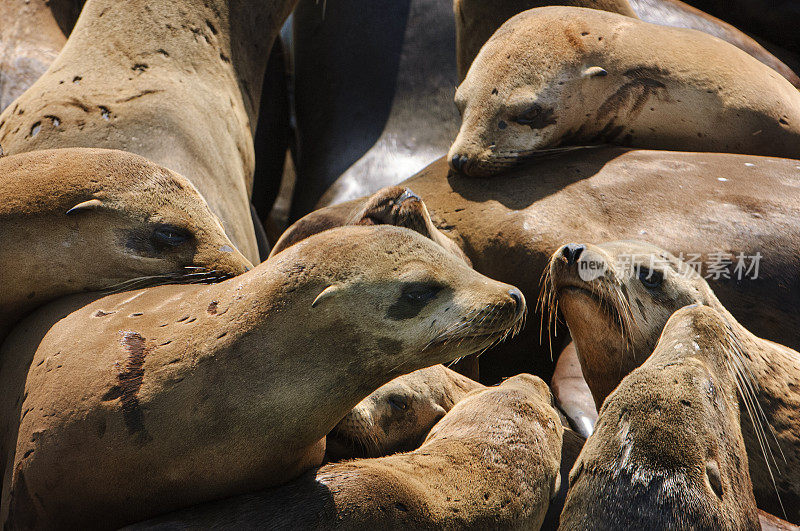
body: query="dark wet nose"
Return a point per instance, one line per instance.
(572, 251)
(519, 300)
(458, 162)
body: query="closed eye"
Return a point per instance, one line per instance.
(398, 403)
(528, 116)
(167, 236)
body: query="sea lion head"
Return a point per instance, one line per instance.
(113, 220)
(523, 92)
(616, 298)
(395, 292)
(399, 206)
(668, 451)
(398, 415)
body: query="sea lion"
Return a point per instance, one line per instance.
(374, 86)
(176, 82)
(177, 395)
(616, 315)
(667, 452)
(397, 416)
(32, 32)
(77, 220)
(477, 20)
(510, 227)
(491, 463)
(558, 76)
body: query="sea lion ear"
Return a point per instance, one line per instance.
(594, 71)
(91, 204)
(327, 292)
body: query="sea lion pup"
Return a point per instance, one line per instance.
(176, 82)
(491, 463)
(397, 416)
(616, 298)
(178, 395)
(477, 20)
(667, 452)
(564, 76)
(77, 220)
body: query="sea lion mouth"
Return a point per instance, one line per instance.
(502, 161)
(189, 275)
(606, 304)
(340, 444)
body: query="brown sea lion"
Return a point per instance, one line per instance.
(32, 32)
(617, 314)
(76, 220)
(176, 82)
(153, 400)
(399, 206)
(491, 463)
(667, 452)
(397, 416)
(477, 20)
(561, 76)
(510, 227)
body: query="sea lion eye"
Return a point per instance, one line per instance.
(170, 236)
(420, 293)
(650, 278)
(398, 403)
(528, 117)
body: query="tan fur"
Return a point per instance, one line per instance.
(593, 310)
(668, 452)
(579, 76)
(397, 416)
(491, 463)
(46, 253)
(477, 20)
(178, 83)
(510, 227)
(399, 206)
(176, 395)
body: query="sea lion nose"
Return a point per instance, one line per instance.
(572, 251)
(458, 162)
(518, 298)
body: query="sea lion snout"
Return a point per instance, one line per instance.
(572, 252)
(518, 300)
